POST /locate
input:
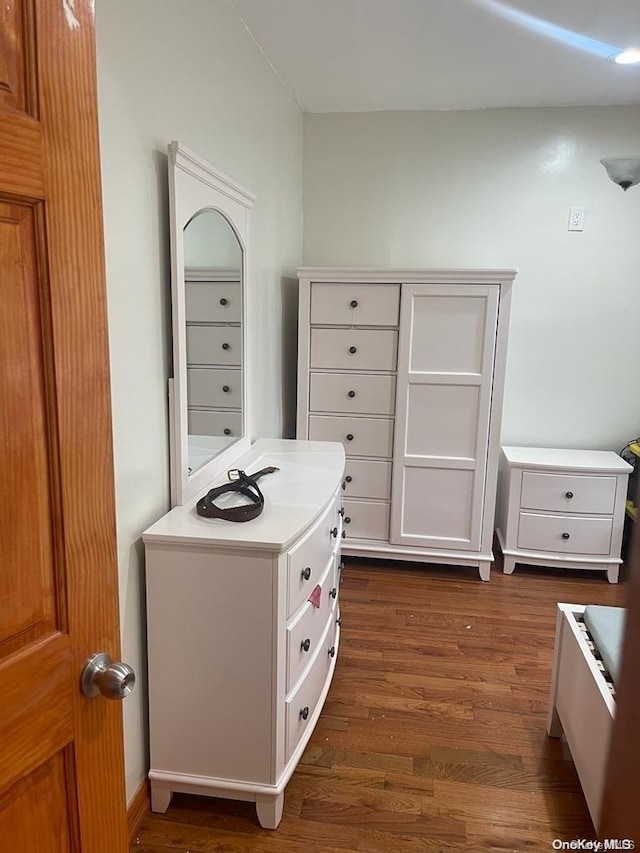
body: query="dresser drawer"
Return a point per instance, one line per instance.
(215, 423)
(375, 304)
(213, 302)
(214, 345)
(354, 349)
(360, 436)
(216, 387)
(308, 559)
(365, 520)
(367, 479)
(357, 393)
(564, 534)
(301, 705)
(306, 630)
(568, 493)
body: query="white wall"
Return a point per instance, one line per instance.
(188, 71)
(493, 188)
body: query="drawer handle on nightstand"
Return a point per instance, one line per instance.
(304, 713)
(350, 436)
(306, 573)
(305, 645)
(332, 652)
(354, 303)
(568, 495)
(353, 350)
(351, 394)
(566, 536)
(334, 532)
(333, 592)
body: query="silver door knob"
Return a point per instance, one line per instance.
(102, 676)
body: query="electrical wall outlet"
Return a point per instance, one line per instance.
(576, 219)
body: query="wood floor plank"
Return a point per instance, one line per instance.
(433, 736)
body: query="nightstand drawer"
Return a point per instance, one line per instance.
(564, 534)
(568, 493)
(355, 304)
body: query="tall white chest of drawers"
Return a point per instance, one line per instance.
(562, 508)
(406, 369)
(243, 631)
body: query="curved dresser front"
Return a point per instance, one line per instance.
(243, 631)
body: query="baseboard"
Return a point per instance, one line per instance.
(138, 808)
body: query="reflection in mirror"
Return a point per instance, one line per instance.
(213, 295)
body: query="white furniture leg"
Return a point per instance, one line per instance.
(485, 570)
(509, 565)
(160, 799)
(613, 573)
(269, 810)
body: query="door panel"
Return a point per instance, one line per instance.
(61, 761)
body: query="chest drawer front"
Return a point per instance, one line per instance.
(217, 387)
(360, 436)
(568, 493)
(308, 560)
(363, 520)
(356, 393)
(367, 479)
(564, 534)
(215, 423)
(214, 345)
(305, 632)
(301, 705)
(376, 304)
(354, 349)
(213, 302)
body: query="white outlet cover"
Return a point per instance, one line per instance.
(576, 219)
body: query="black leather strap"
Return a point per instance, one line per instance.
(240, 482)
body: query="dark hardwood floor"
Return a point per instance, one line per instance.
(433, 734)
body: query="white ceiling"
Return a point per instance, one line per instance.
(359, 55)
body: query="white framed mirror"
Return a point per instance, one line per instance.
(209, 412)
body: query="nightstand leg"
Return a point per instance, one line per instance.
(269, 810)
(612, 573)
(485, 570)
(508, 565)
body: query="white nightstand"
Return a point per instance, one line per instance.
(562, 508)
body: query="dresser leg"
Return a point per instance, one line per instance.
(612, 573)
(160, 799)
(508, 565)
(485, 570)
(269, 810)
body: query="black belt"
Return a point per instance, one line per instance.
(240, 482)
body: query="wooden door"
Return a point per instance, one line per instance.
(61, 763)
(443, 404)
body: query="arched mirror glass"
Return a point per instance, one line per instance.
(213, 299)
(209, 219)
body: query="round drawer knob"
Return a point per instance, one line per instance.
(334, 532)
(348, 478)
(332, 652)
(350, 437)
(566, 536)
(305, 645)
(354, 303)
(341, 511)
(568, 495)
(339, 621)
(344, 534)
(225, 346)
(226, 389)
(347, 520)
(227, 431)
(333, 592)
(351, 394)
(353, 350)
(304, 713)
(306, 573)
(224, 301)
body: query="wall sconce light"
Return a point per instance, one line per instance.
(623, 171)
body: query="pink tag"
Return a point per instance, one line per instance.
(314, 598)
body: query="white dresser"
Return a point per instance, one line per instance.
(406, 369)
(240, 660)
(562, 508)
